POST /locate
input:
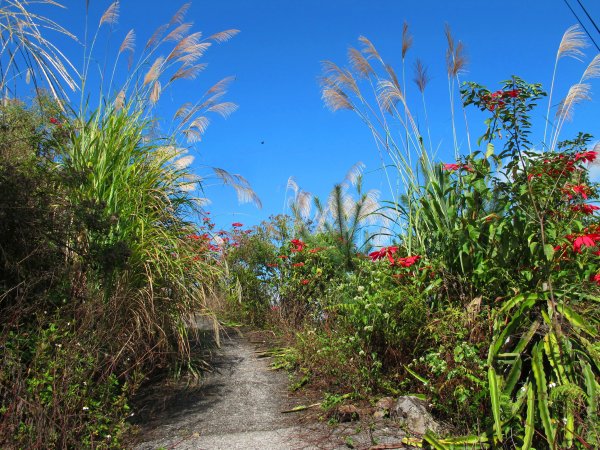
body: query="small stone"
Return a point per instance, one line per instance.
(380, 414)
(347, 413)
(385, 403)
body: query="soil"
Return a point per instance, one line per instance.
(239, 404)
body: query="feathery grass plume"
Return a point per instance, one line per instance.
(111, 15)
(155, 70)
(156, 36)
(224, 109)
(369, 49)
(184, 162)
(120, 100)
(335, 99)
(303, 203)
(188, 73)
(359, 63)
(155, 92)
(593, 69)
(128, 43)
(178, 33)
(354, 173)
(388, 95)
(193, 133)
(223, 36)
(30, 54)
(220, 86)
(571, 45)
(339, 77)
(421, 77)
(578, 93)
(179, 16)
(407, 40)
(456, 59)
(241, 186)
(188, 45)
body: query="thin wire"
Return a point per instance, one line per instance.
(588, 16)
(581, 23)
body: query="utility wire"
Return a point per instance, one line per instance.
(581, 23)
(589, 17)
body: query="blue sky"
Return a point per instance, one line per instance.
(276, 60)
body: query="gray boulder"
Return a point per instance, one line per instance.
(412, 411)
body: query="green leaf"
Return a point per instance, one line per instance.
(530, 421)
(431, 439)
(490, 150)
(495, 399)
(575, 319)
(549, 252)
(542, 394)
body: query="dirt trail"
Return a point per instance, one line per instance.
(238, 406)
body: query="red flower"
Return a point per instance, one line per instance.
(384, 252)
(305, 281)
(408, 261)
(272, 265)
(282, 257)
(512, 94)
(298, 245)
(54, 121)
(194, 237)
(237, 225)
(451, 167)
(585, 208)
(299, 264)
(587, 240)
(581, 189)
(589, 156)
(595, 278)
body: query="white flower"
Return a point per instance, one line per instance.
(361, 288)
(85, 408)
(524, 388)
(552, 385)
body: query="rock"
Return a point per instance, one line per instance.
(385, 403)
(413, 412)
(347, 413)
(380, 414)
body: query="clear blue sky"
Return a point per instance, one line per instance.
(276, 60)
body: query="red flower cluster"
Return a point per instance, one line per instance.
(305, 281)
(54, 121)
(588, 156)
(585, 208)
(584, 240)
(407, 261)
(384, 252)
(595, 278)
(298, 264)
(497, 99)
(452, 167)
(237, 225)
(298, 245)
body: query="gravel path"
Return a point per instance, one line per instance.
(237, 406)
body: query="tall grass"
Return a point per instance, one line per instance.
(127, 274)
